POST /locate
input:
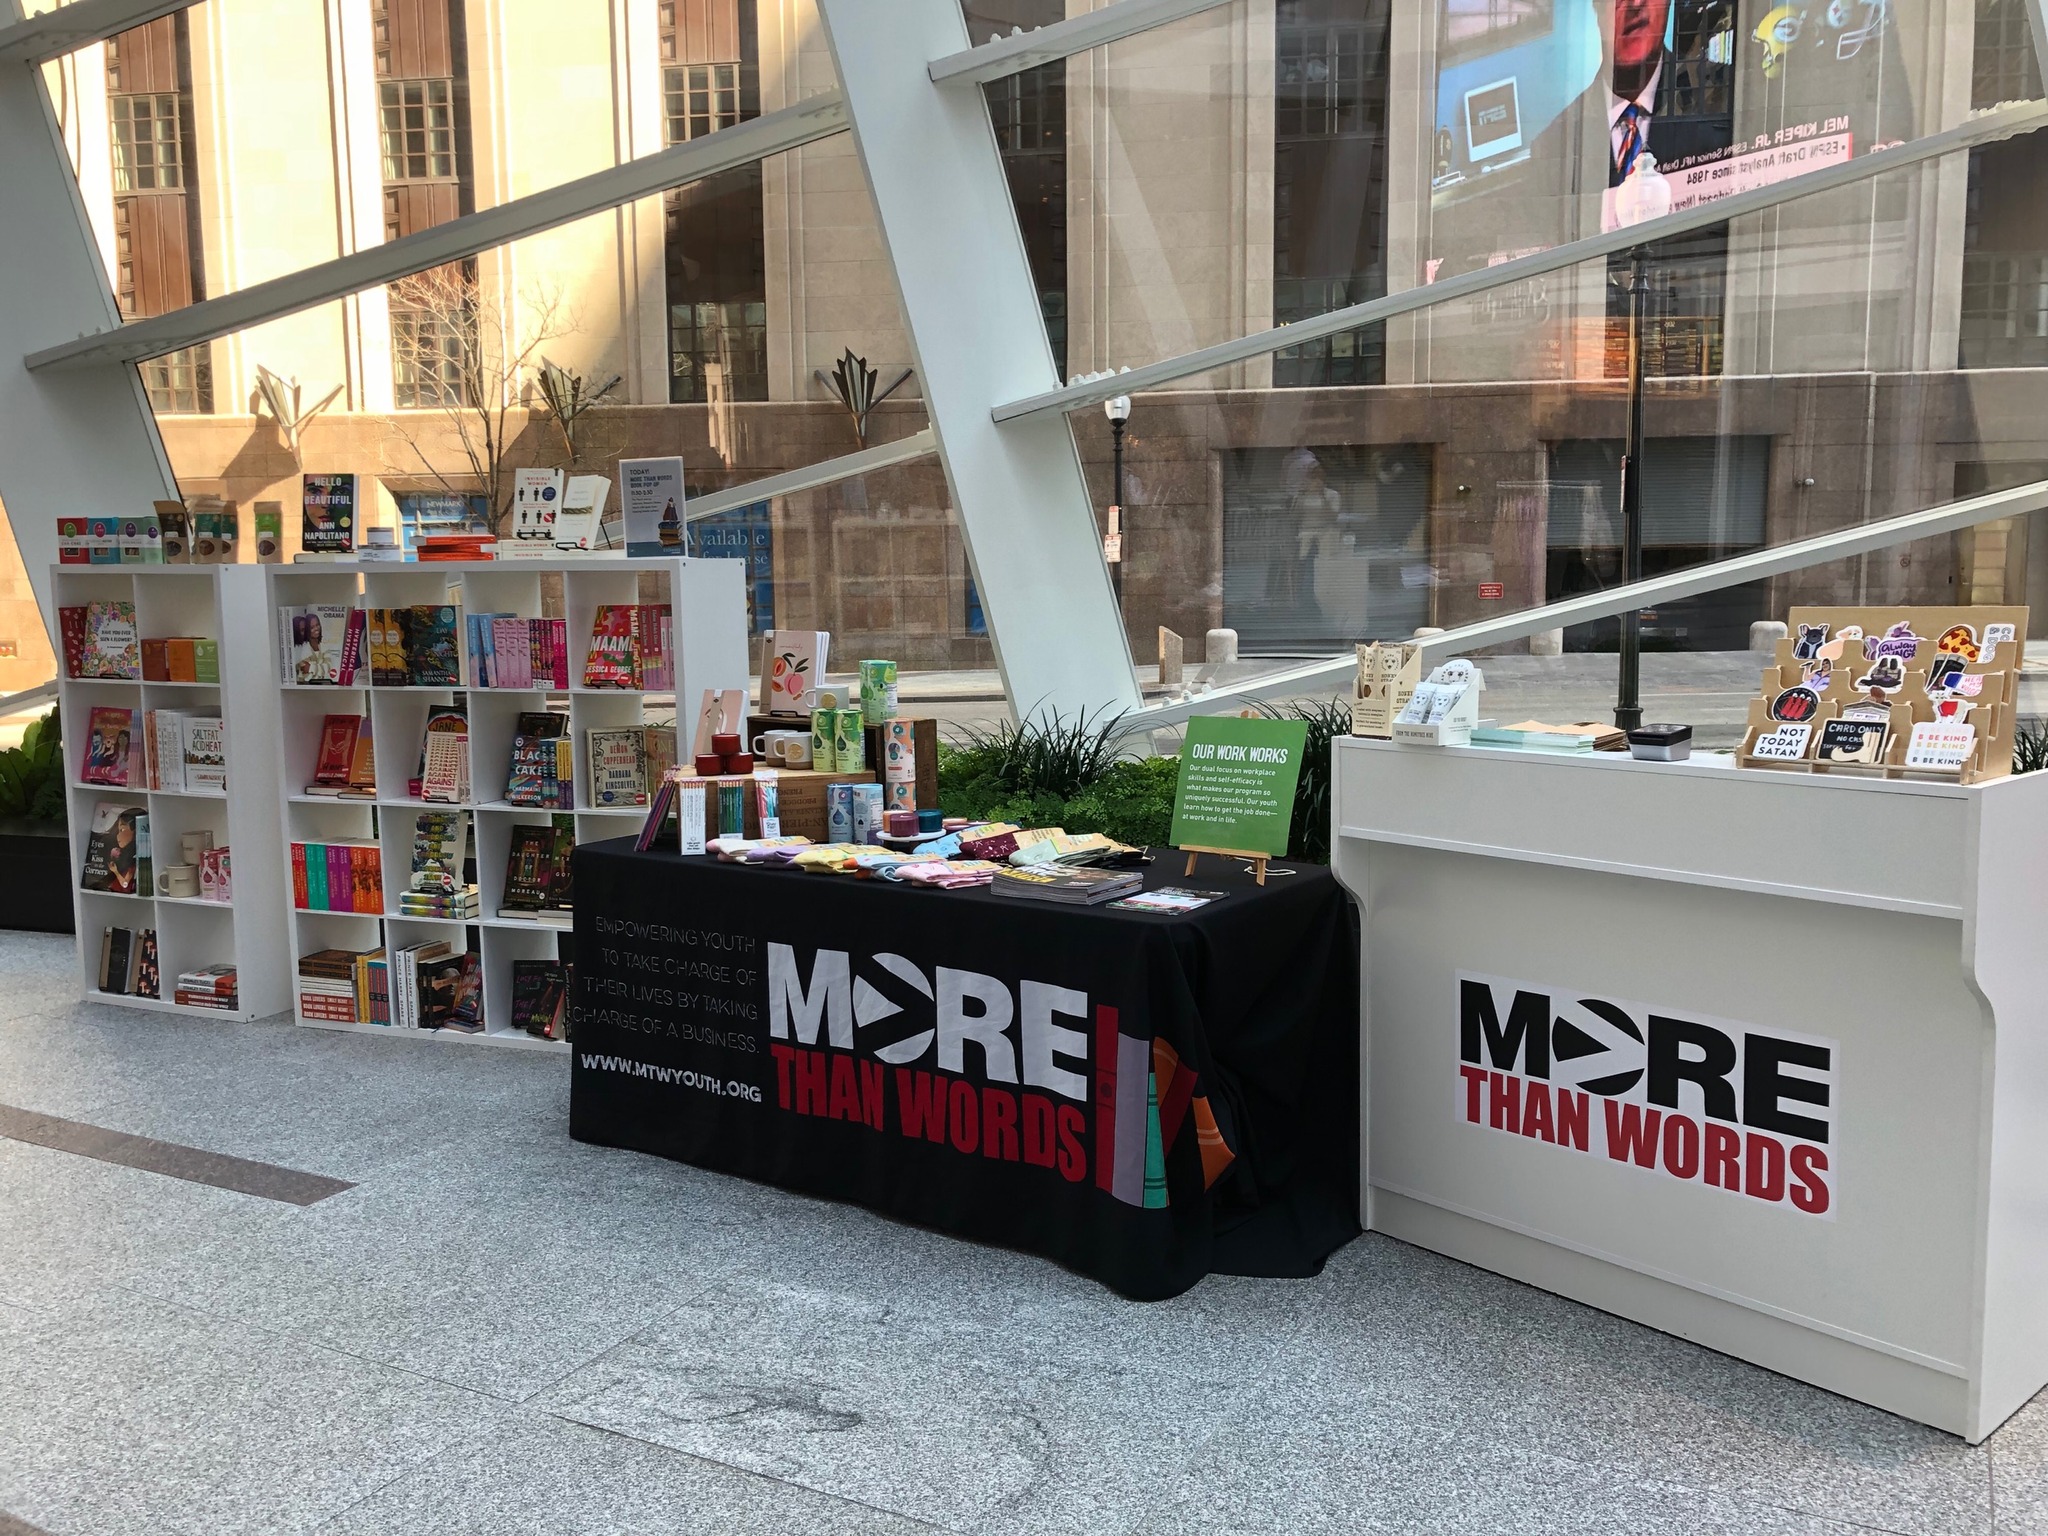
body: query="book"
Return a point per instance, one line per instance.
(109, 735)
(540, 998)
(658, 750)
(613, 659)
(119, 955)
(536, 501)
(440, 849)
(149, 981)
(542, 772)
(1167, 899)
(618, 767)
(433, 658)
(312, 640)
(71, 639)
(450, 993)
(1067, 884)
(792, 663)
(582, 513)
(113, 648)
(117, 855)
(328, 509)
(336, 757)
(205, 753)
(444, 777)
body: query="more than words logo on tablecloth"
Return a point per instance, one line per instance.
(1698, 1100)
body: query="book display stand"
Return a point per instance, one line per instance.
(706, 647)
(218, 611)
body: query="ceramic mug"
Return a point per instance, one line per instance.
(788, 749)
(177, 880)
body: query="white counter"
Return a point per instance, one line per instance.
(1839, 989)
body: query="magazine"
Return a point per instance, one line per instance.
(1167, 899)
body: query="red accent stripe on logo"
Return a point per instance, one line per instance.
(1105, 1097)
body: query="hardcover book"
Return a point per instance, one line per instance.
(577, 524)
(109, 737)
(336, 757)
(540, 998)
(205, 752)
(528, 862)
(117, 850)
(618, 767)
(536, 500)
(313, 639)
(613, 660)
(113, 647)
(328, 508)
(432, 655)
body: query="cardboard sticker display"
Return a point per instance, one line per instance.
(1923, 692)
(1388, 675)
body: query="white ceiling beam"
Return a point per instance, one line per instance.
(814, 118)
(77, 25)
(1062, 39)
(2004, 123)
(1844, 543)
(916, 446)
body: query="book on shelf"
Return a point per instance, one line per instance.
(333, 985)
(444, 774)
(204, 750)
(529, 860)
(327, 517)
(542, 773)
(181, 659)
(540, 998)
(109, 743)
(99, 639)
(385, 645)
(405, 964)
(117, 857)
(506, 651)
(209, 986)
(618, 766)
(436, 547)
(337, 877)
(440, 883)
(578, 525)
(319, 644)
(129, 966)
(536, 502)
(433, 658)
(337, 753)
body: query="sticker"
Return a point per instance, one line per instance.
(1795, 704)
(1817, 675)
(1959, 640)
(1882, 712)
(1941, 746)
(1952, 709)
(1969, 685)
(1996, 635)
(1887, 673)
(1807, 646)
(1838, 647)
(1898, 641)
(1857, 742)
(1787, 744)
(1944, 672)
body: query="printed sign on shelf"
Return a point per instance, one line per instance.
(1237, 780)
(1697, 1100)
(651, 498)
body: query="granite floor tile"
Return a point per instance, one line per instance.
(130, 1417)
(2019, 1472)
(548, 1478)
(879, 1404)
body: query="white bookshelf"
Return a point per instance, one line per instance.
(224, 603)
(707, 601)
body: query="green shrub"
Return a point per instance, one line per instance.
(32, 774)
(1309, 834)
(1133, 802)
(2030, 747)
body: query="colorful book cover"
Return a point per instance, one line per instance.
(301, 888)
(337, 754)
(149, 973)
(613, 658)
(540, 997)
(205, 753)
(528, 861)
(341, 886)
(618, 767)
(113, 647)
(117, 849)
(316, 878)
(328, 514)
(794, 661)
(108, 741)
(536, 501)
(315, 636)
(71, 636)
(366, 877)
(432, 655)
(354, 632)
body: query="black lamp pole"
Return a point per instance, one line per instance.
(1628, 706)
(1123, 532)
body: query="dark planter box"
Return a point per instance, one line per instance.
(35, 876)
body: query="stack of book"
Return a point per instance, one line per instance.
(454, 546)
(345, 767)
(336, 986)
(413, 647)
(210, 986)
(128, 962)
(537, 875)
(506, 651)
(540, 997)
(631, 647)
(1067, 885)
(181, 659)
(438, 885)
(185, 751)
(543, 769)
(337, 877)
(435, 987)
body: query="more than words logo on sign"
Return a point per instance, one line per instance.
(1696, 1100)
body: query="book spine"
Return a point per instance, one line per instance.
(1105, 1098)
(340, 888)
(351, 647)
(301, 890)
(316, 877)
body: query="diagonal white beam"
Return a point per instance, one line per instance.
(1063, 39)
(2004, 123)
(77, 25)
(916, 446)
(1583, 609)
(814, 118)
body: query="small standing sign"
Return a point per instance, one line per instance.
(1236, 791)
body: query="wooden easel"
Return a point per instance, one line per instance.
(1258, 860)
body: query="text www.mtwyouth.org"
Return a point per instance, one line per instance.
(719, 1087)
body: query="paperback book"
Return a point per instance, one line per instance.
(117, 857)
(328, 514)
(540, 998)
(108, 742)
(618, 767)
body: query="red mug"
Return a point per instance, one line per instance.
(739, 762)
(725, 745)
(710, 766)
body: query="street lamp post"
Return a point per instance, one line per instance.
(1628, 705)
(1118, 411)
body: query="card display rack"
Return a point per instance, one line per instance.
(224, 603)
(707, 600)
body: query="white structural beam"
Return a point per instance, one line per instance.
(976, 336)
(814, 118)
(918, 445)
(2004, 123)
(77, 25)
(86, 441)
(1062, 39)
(1316, 676)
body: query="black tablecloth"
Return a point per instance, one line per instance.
(1142, 1097)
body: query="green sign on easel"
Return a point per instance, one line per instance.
(1236, 790)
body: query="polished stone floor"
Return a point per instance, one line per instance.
(498, 1331)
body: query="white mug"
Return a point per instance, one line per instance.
(791, 749)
